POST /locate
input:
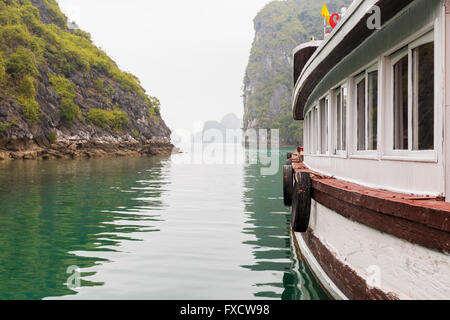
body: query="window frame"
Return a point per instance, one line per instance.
(334, 123)
(326, 133)
(307, 134)
(315, 137)
(315, 129)
(355, 80)
(390, 60)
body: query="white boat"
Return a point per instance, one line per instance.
(370, 194)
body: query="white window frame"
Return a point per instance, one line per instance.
(315, 130)
(352, 105)
(312, 151)
(390, 60)
(334, 123)
(309, 134)
(306, 135)
(327, 135)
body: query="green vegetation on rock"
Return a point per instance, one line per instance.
(6, 126)
(52, 137)
(279, 27)
(21, 73)
(99, 85)
(153, 110)
(114, 119)
(2, 71)
(56, 14)
(66, 90)
(21, 63)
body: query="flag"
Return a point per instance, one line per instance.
(326, 13)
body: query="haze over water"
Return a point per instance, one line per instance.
(147, 228)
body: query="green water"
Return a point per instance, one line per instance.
(146, 228)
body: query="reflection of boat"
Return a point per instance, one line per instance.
(371, 212)
(281, 275)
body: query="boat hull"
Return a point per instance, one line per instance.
(354, 261)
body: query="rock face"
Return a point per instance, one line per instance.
(50, 135)
(77, 149)
(279, 27)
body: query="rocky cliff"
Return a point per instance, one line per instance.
(279, 27)
(61, 96)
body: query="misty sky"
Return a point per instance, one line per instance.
(190, 54)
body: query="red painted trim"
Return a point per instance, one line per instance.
(432, 213)
(401, 228)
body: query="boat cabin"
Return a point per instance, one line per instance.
(375, 102)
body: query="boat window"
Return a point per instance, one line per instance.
(307, 143)
(310, 136)
(366, 104)
(423, 97)
(372, 112)
(413, 78)
(401, 104)
(344, 118)
(323, 126)
(315, 131)
(310, 133)
(340, 118)
(305, 130)
(361, 113)
(317, 142)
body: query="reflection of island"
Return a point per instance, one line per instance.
(269, 222)
(228, 130)
(60, 214)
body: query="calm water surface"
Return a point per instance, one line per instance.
(146, 228)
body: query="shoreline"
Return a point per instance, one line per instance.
(86, 150)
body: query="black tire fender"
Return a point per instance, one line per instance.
(288, 185)
(301, 202)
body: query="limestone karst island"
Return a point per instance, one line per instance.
(217, 159)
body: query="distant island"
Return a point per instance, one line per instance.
(227, 130)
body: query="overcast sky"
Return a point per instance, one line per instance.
(190, 54)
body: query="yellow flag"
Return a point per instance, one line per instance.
(326, 13)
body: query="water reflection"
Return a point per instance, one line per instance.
(146, 228)
(51, 213)
(273, 251)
